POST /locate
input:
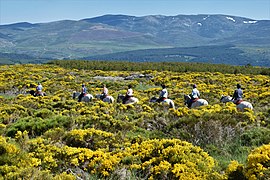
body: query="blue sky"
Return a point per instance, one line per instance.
(12, 11)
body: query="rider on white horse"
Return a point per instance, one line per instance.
(129, 94)
(83, 93)
(195, 94)
(163, 94)
(237, 95)
(104, 92)
(39, 90)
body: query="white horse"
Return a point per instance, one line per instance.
(131, 100)
(240, 107)
(166, 101)
(34, 93)
(199, 102)
(108, 99)
(86, 98)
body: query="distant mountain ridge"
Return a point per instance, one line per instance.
(110, 34)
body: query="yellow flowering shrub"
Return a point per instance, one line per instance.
(57, 137)
(235, 170)
(55, 158)
(90, 138)
(170, 159)
(14, 161)
(258, 163)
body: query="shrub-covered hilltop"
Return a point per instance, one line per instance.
(56, 137)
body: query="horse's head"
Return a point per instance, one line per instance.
(153, 99)
(98, 96)
(225, 99)
(222, 98)
(32, 92)
(75, 94)
(120, 98)
(186, 99)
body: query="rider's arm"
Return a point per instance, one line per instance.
(129, 92)
(161, 93)
(234, 95)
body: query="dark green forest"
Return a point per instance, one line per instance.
(160, 66)
(215, 54)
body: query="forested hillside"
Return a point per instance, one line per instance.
(57, 137)
(185, 38)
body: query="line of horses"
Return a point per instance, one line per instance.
(168, 102)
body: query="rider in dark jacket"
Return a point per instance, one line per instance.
(195, 94)
(237, 95)
(83, 93)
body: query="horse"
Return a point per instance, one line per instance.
(35, 94)
(199, 102)
(131, 100)
(240, 107)
(86, 98)
(165, 101)
(108, 99)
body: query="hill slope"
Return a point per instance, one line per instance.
(119, 33)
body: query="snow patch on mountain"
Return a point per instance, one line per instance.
(230, 18)
(206, 17)
(249, 22)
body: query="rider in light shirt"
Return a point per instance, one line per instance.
(163, 94)
(195, 94)
(105, 92)
(39, 89)
(83, 92)
(129, 94)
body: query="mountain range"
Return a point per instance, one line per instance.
(199, 38)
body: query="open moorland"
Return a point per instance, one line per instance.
(57, 137)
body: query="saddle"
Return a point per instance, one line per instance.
(38, 93)
(162, 99)
(194, 100)
(129, 97)
(238, 102)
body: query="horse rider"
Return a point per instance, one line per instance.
(163, 94)
(195, 94)
(237, 95)
(39, 89)
(83, 93)
(104, 93)
(129, 94)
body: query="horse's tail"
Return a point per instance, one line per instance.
(172, 104)
(249, 105)
(74, 94)
(111, 100)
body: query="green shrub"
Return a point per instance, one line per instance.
(256, 136)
